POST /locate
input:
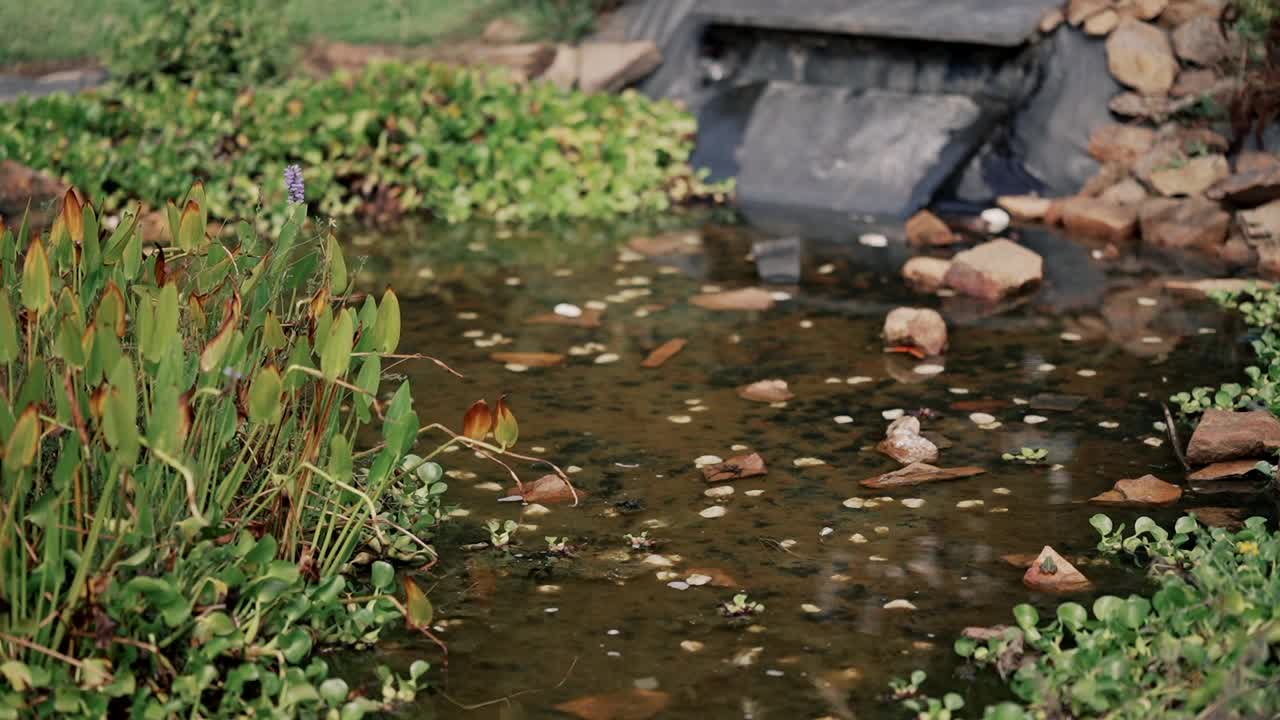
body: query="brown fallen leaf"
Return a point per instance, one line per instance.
(744, 299)
(719, 578)
(1052, 573)
(623, 705)
(533, 359)
(664, 352)
(985, 406)
(588, 319)
(735, 468)
(769, 391)
(548, 490)
(917, 474)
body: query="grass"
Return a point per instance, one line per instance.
(54, 30)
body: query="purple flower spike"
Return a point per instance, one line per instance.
(293, 182)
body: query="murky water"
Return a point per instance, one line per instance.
(543, 630)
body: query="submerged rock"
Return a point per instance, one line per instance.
(917, 474)
(1140, 56)
(903, 442)
(1052, 573)
(994, 270)
(769, 391)
(918, 327)
(925, 228)
(548, 490)
(925, 274)
(1140, 492)
(744, 299)
(1225, 435)
(1097, 218)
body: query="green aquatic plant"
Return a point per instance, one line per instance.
(641, 541)
(558, 545)
(1030, 456)
(739, 606)
(500, 532)
(1260, 309)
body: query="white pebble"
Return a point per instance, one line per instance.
(982, 418)
(811, 608)
(738, 448)
(567, 310)
(966, 504)
(516, 367)
(843, 419)
(1046, 367)
(780, 296)
(704, 460)
(692, 646)
(1086, 372)
(678, 585)
(807, 462)
(1153, 441)
(607, 358)
(680, 419)
(857, 380)
(912, 502)
(1002, 491)
(874, 240)
(857, 538)
(698, 579)
(855, 503)
(657, 561)
(928, 369)
(826, 269)
(754, 493)
(1035, 419)
(958, 391)
(596, 305)
(893, 414)
(715, 511)
(718, 491)
(899, 605)
(1109, 424)
(996, 220)
(1071, 337)
(1148, 302)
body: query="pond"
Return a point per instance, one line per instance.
(543, 630)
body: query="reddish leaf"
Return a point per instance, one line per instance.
(735, 468)
(478, 421)
(664, 352)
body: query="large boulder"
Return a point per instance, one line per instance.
(1097, 218)
(916, 327)
(1118, 143)
(1225, 435)
(994, 270)
(1191, 177)
(1200, 41)
(1196, 222)
(1140, 56)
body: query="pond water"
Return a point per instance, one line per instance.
(543, 630)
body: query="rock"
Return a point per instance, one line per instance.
(925, 274)
(1174, 146)
(903, 442)
(663, 353)
(1052, 573)
(1148, 9)
(528, 359)
(1125, 193)
(1248, 189)
(1051, 19)
(1139, 56)
(1140, 492)
(1192, 177)
(719, 578)
(1120, 143)
(1225, 435)
(1134, 105)
(1027, 208)
(1225, 470)
(1237, 252)
(917, 474)
(735, 468)
(1106, 177)
(547, 490)
(155, 228)
(1102, 23)
(610, 67)
(1200, 41)
(744, 299)
(1079, 11)
(1262, 225)
(918, 327)
(1195, 222)
(563, 70)
(1097, 218)
(588, 319)
(1194, 83)
(769, 391)
(1252, 160)
(1202, 288)
(925, 228)
(1228, 518)
(19, 185)
(667, 244)
(634, 704)
(994, 270)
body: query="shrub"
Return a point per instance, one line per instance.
(232, 43)
(182, 489)
(454, 143)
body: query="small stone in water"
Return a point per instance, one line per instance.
(858, 538)
(648, 683)
(878, 558)
(718, 491)
(680, 419)
(516, 367)
(568, 310)
(882, 530)
(843, 419)
(472, 334)
(806, 324)
(833, 381)
(1153, 441)
(858, 380)
(965, 504)
(996, 220)
(657, 561)
(1086, 372)
(696, 579)
(596, 305)
(774, 673)
(467, 316)
(899, 605)
(855, 503)
(780, 296)
(1002, 491)
(754, 493)
(489, 486)
(692, 646)
(826, 269)
(1035, 419)
(982, 418)
(958, 391)
(893, 414)
(513, 281)
(614, 632)
(678, 585)
(787, 544)
(548, 589)
(551, 611)
(1159, 426)
(912, 502)
(1152, 340)
(1206, 331)
(807, 462)
(1148, 302)
(715, 511)
(607, 358)
(1071, 337)
(1109, 424)
(811, 608)
(1046, 367)
(928, 369)
(874, 240)
(704, 460)
(825, 532)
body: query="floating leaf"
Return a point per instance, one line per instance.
(418, 610)
(478, 420)
(387, 328)
(36, 278)
(506, 431)
(20, 448)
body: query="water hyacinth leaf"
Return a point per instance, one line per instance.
(20, 449)
(265, 392)
(1072, 615)
(478, 420)
(383, 575)
(9, 344)
(191, 226)
(418, 610)
(387, 328)
(18, 675)
(506, 430)
(37, 279)
(335, 356)
(334, 691)
(337, 267)
(1026, 616)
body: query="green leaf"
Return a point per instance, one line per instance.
(337, 267)
(1072, 615)
(1108, 608)
(383, 575)
(1185, 525)
(18, 675)
(1026, 616)
(165, 326)
(418, 610)
(191, 227)
(1101, 523)
(10, 348)
(272, 333)
(334, 691)
(21, 446)
(37, 280)
(387, 328)
(265, 391)
(335, 357)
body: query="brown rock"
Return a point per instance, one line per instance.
(917, 474)
(547, 490)
(1262, 225)
(1052, 573)
(994, 270)
(672, 243)
(1228, 518)
(1102, 23)
(1248, 189)
(903, 442)
(1106, 177)
(744, 299)
(20, 184)
(925, 274)
(1080, 10)
(663, 353)
(155, 228)
(563, 70)
(1148, 9)
(1027, 208)
(524, 60)
(918, 327)
(1252, 160)
(1118, 143)
(1237, 252)
(1202, 288)
(1181, 11)
(769, 391)
(1192, 177)
(1124, 193)
(1225, 470)
(1026, 560)
(504, 30)
(1174, 146)
(588, 319)
(1140, 492)
(1097, 218)
(1195, 83)
(1200, 41)
(610, 67)
(1051, 19)
(735, 468)
(1225, 435)
(925, 228)
(632, 704)
(1194, 222)
(528, 359)
(1139, 56)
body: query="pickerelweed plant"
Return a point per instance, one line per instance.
(186, 512)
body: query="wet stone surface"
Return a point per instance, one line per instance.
(857, 583)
